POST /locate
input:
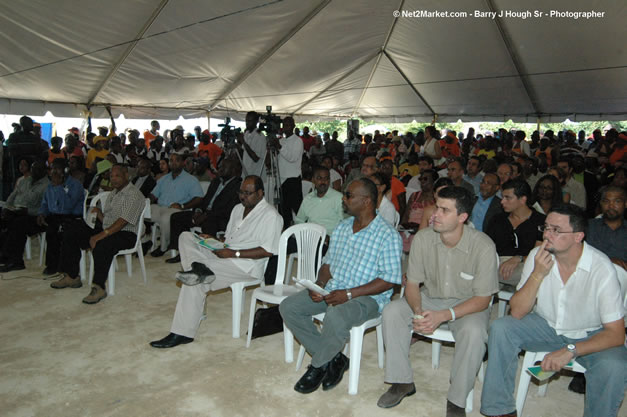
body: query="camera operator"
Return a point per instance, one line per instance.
(254, 144)
(290, 156)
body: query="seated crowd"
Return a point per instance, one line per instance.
(543, 219)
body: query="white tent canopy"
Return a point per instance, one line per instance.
(315, 59)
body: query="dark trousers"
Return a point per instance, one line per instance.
(54, 235)
(18, 228)
(292, 197)
(182, 222)
(76, 237)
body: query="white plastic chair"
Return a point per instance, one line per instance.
(309, 241)
(531, 358)
(238, 290)
(205, 186)
(355, 344)
(42, 247)
(128, 255)
(97, 199)
(504, 297)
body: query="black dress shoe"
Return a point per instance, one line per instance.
(337, 366)
(199, 274)
(157, 253)
(578, 384)
(171, 341)
(12, 267)
(49, 271)
(174, 260)
(311, 380)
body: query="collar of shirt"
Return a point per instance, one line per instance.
(463, 244)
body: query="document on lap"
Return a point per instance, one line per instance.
(312, 286)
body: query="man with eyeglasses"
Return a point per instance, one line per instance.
(359, 270)
(515, 231)
(252, 235)
(568, 302)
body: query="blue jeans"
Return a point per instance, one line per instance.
(606, 371)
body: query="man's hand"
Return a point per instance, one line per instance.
(336, 297)
(240, 138)
(199, 218)
(176, 206)
(41, 220)
(555, 361)
(506, 269)
(543, 261)
(93, 241)
(430, 322)
(315, 297)
(97, 211)
(225, 253)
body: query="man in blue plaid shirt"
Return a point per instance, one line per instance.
(359, 270)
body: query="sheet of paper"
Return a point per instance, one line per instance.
(312, 286)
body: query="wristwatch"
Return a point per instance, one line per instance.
(237, 254)
(572, 349)
(349, 295)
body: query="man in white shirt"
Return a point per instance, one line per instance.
(252, 235)
(290, 156)
(254, 144)
(575, 188)
(568, 302)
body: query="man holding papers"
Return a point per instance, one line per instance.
(569, 303)
(252, 235)
(359, 270)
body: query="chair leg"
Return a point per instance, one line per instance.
(142, 264)
(380, 349)
(251, 319)
(502, 306)
(301, 356)
(238, 291)
(523, 382)
(129, 265)
(288, 343)
(469, 401)
(290, 264)
(91, 268)
(42, 247)
(111, 284)
(27, 248)
(356, 342)
(436, 345)
(82, 265)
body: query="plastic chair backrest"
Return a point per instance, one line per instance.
(205, 186)
(97, 199)
(140, 229)
(309, 241)
(621, 274)
(397, 219)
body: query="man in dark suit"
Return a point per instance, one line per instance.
(213, 213)
(144, 181)
(488, 204)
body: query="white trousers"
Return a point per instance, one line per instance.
(191, 302)
(161, 216)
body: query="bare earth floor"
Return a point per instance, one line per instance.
(60, 357)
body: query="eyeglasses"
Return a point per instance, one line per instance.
(350, 195)
(246, 193)
(552, 230)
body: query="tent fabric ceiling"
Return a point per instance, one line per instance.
(317, 60)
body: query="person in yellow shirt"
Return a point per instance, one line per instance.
(98, 151)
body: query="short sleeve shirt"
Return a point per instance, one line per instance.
(515, 242)
(613, 243)
(467, 270)
(128, 204)
(179, 190)
(358, 258)
(590, 297)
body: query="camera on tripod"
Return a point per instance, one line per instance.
(271, 123)
(229, 133)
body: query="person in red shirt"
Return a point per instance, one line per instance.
(207, 149)
(150, 135)
(55, 152)
(308, 141)
(397, 191)
(450, 145)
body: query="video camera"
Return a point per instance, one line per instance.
(271, 123)
(229, 133)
